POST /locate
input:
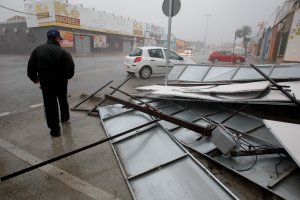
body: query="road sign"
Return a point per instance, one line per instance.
(176, 4)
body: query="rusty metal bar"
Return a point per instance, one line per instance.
(288, 95)
(74, 107)
(194, 127)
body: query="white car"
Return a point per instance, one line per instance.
(188, 52)
(151, 60)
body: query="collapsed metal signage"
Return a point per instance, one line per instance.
(148, 136)
(248, 145)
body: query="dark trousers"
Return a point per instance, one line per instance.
(52, 93)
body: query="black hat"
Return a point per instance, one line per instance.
(53, 33)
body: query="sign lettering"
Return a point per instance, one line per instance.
(67, 20)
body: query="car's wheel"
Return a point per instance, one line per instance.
(215, 60)
(145, 72)
(238, 61)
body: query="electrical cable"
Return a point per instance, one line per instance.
(242, 142)
(256, 158)
(17, 10)
(277, 164)
(243, 170)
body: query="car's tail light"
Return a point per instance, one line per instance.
(137, 59)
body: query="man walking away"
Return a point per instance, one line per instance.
(52, 66)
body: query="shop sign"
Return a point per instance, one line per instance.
(138, 29)
(67, 20)
(68, 39)
(99, 41)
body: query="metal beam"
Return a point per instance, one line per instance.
(288, 95)
(157, 167)
(93, 110)
(258, 152)
(191, 126)
(74, 108)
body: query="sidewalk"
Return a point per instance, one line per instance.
(90, 174)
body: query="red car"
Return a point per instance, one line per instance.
(225, 56)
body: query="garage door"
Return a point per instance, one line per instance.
(83, 45)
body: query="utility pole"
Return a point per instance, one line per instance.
(206, 31)
(233, 48)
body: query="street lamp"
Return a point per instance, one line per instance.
(205, 31)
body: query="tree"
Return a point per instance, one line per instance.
(243, 33)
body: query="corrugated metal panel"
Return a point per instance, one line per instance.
(202, 73)
(252, 92)
(274, 172)
(288, 136)
(155, 165)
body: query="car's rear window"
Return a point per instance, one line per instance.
(136, 52)
(156, 53)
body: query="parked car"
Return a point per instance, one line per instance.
(151, 60)
(225, 56)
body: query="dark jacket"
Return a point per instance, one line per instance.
(50, 64)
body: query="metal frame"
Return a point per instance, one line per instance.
(157, 168)
(74, 108)
(197, 128)
(272, 67)
(249, 137)
(91, 112)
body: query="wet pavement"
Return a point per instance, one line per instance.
(90, 174)
(25, 138)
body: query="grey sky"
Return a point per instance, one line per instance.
(189, 23)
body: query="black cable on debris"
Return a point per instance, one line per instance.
(255, 161)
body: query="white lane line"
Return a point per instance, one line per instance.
(36, 105)
(32, 106)
(59, 174)
(4, 114)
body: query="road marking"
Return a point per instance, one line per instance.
(58, 173)
(36, 105)
(26, 109)
(4, 114)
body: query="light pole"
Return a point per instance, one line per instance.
(206, 31)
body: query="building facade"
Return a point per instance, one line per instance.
(279, 39)
(85, 31)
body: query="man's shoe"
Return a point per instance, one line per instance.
(55, 132)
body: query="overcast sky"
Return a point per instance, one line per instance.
(189, 23)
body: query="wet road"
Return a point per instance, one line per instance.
(19, 93)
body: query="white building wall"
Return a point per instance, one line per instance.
(292, 52)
